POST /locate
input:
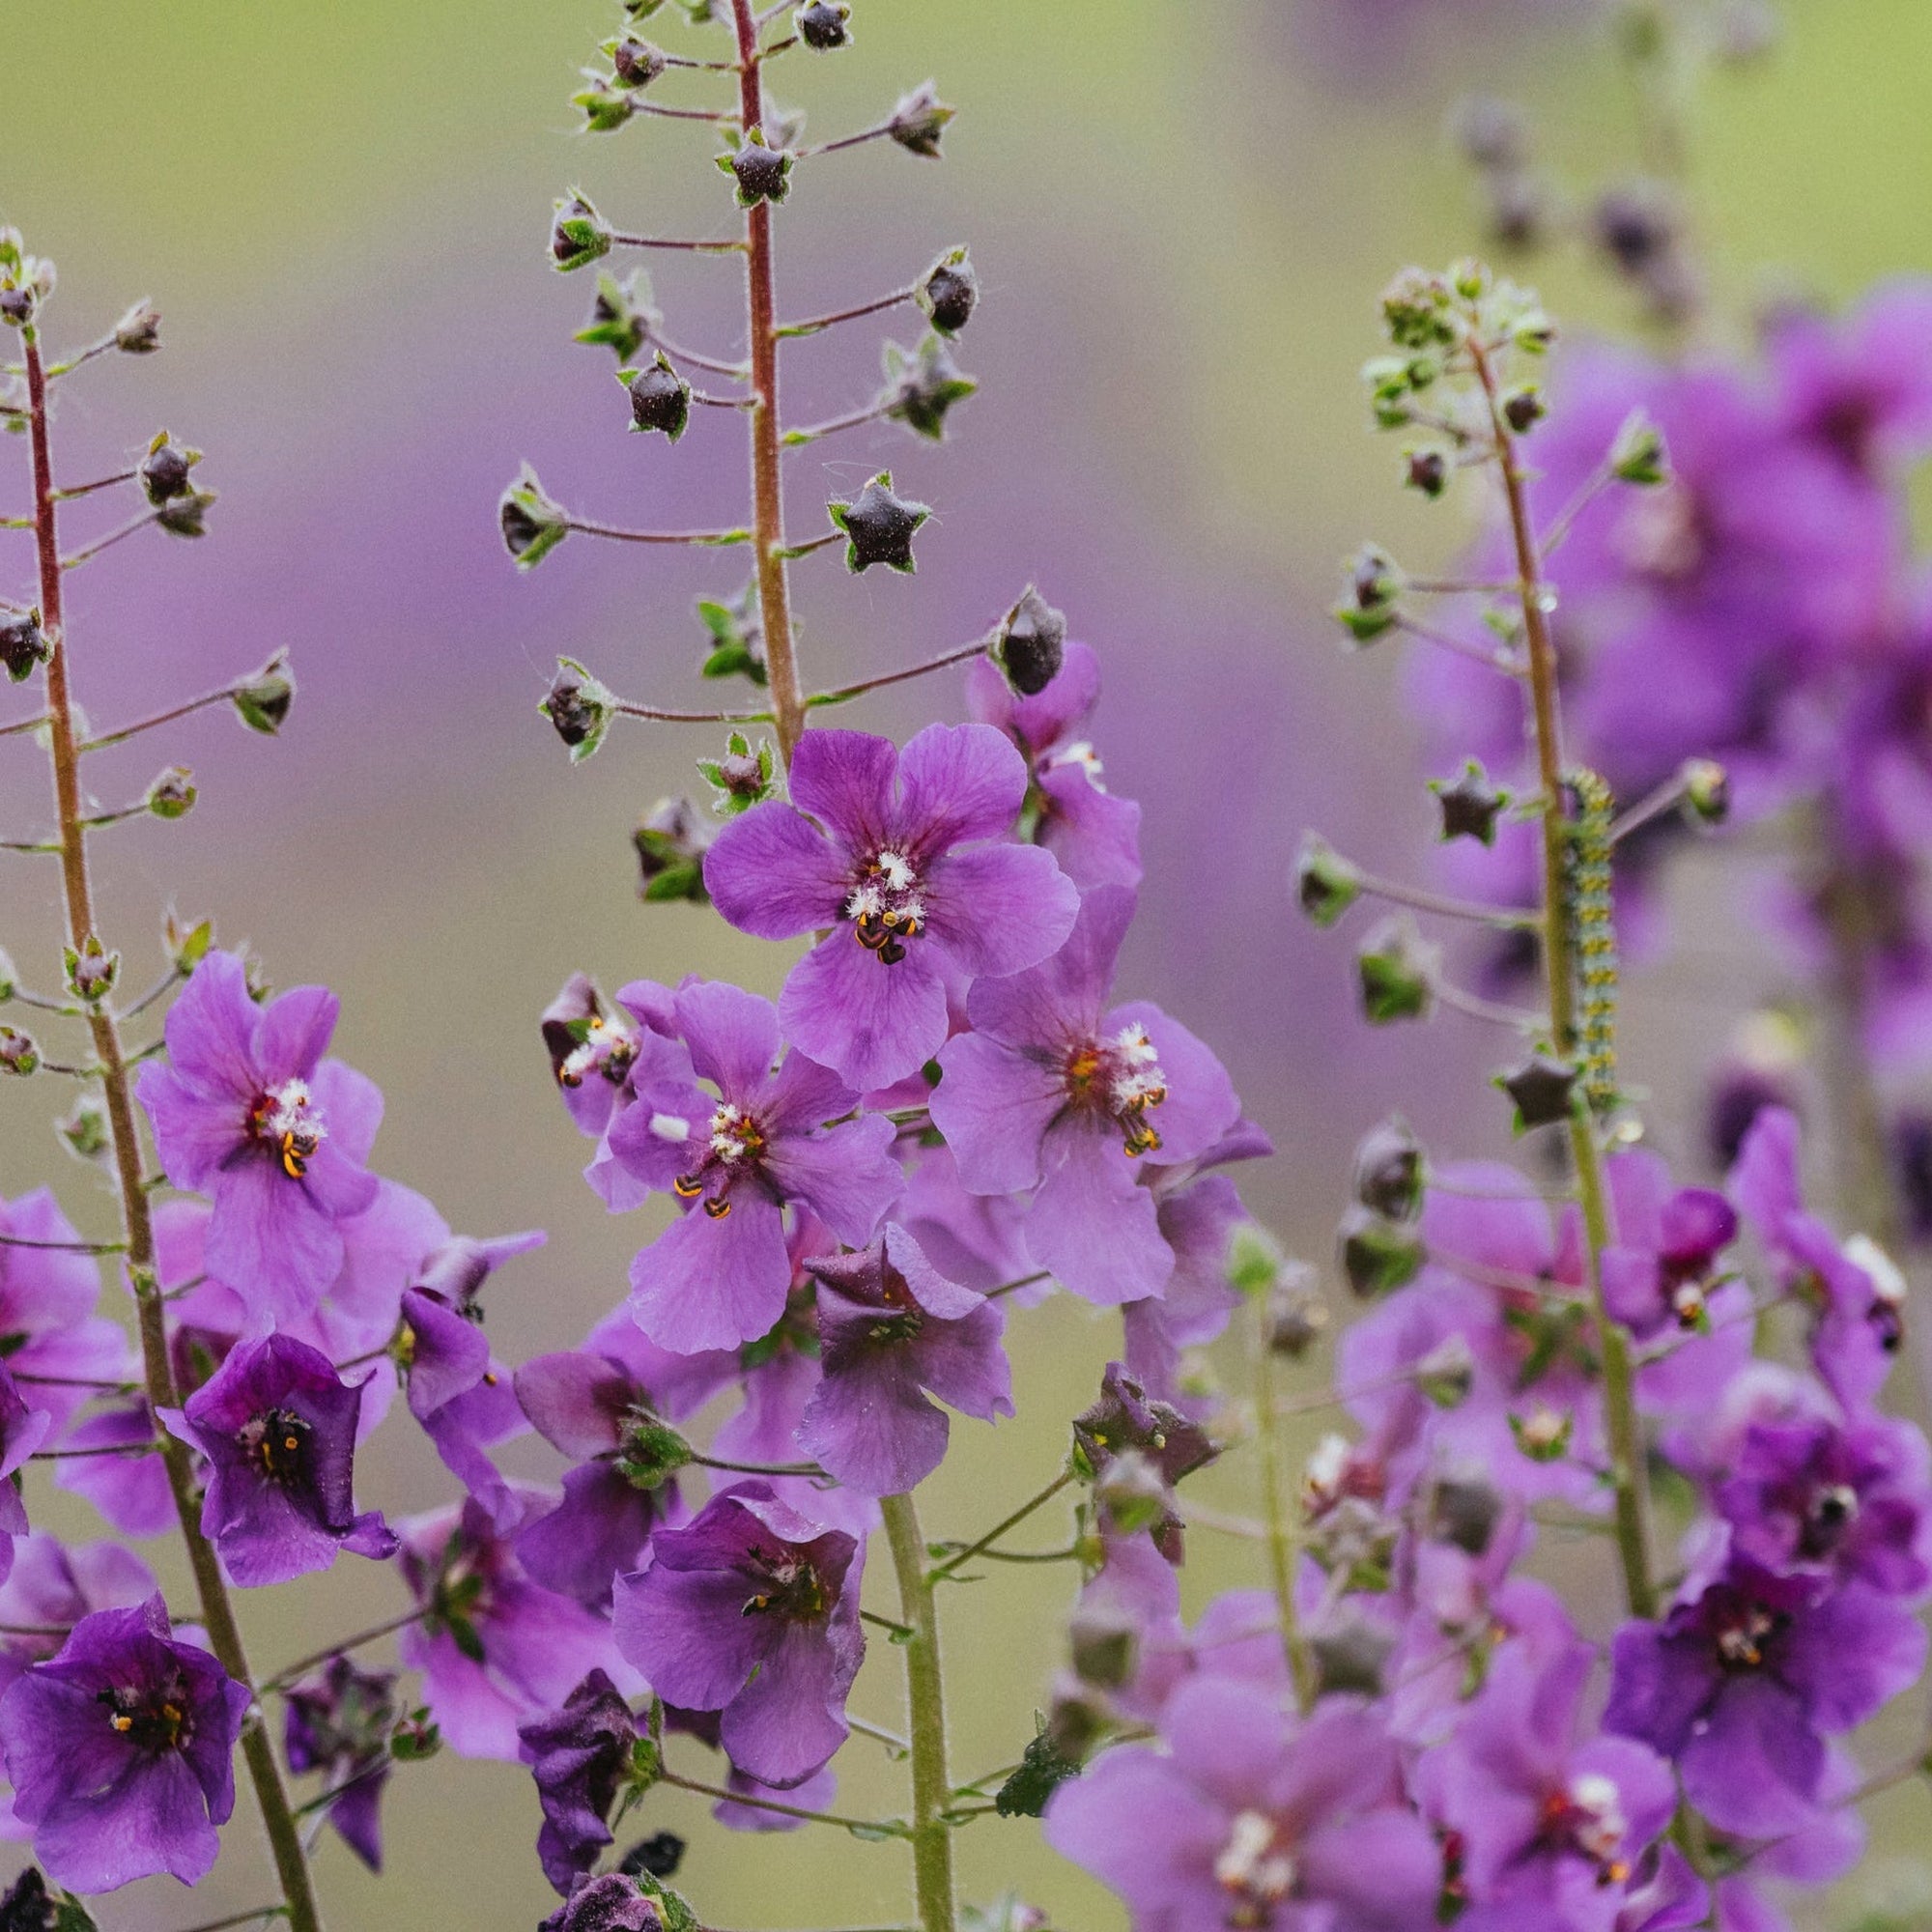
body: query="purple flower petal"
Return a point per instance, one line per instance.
(1094, 1228)
(773, 874)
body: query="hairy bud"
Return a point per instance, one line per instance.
(879, 527)
(950, 292)
(138, 332)
(577, 233)
(660, 398)
(1032, 645)
(823, 25)
(762, 173)
(580, 707)
(918, 120)
(533, 524)
(23, 645)
(172, 795)
(263, 702)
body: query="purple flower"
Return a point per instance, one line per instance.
(1547, 1825)
(494, 1650)
(580, 1756)
(1744, 1678)
(1095, 836)
(340, 1722)
(22, 1430)
(132, 1490)
(47, 1297)
(1052, 1090)
(1126, 1420)
(247, 1111)
(1855, 1290)
(891, 1326)
(121, 1751)
(1852, 1501)
(1249, 1819)
(1860, 387)
(460, 1393)
(277, 1425)
(903, 860)
(593, 1406)
(718, 1275)
(53, 1585)
(753, 1611)
(610, 1903)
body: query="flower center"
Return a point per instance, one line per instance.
(1255, 1870)
(1741, 1635)
(609, 1048)
(886, 908)
(155, 1720)
(287, 1120)
(792, 1589)
(277, 1444)
(1588, 1814)
(1122, 1078)
(737, 1139)
(1832, 1512)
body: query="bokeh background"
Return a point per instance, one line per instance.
(1181, 213)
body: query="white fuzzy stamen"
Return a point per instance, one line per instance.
(289, 1113)
(1250, 1863)
(1879, 1269)
(897, 869)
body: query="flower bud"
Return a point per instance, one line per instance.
(879, 527)
(604, 105)
(1707, 791)
(1297, 1317)
(1377, 1255)
(919, 119)
(1544, 1090)
(737, 646)
(822, 25)
(1447, 1372)
(949, 291)
(1464, 1511)
(635, 63)
(1368, 607)
(23, 645)
(1418, 311)
(659, 1856)
(138, 332)
(1389, 1170)
(85, 1135)
(1638, 455)
(671, 841)
(533, 524)
(660, 398)
(263, 702)
(1076, 1720)
(580, 707)
(743, 777)
(652, 1453)
(1637, 225)
(19, 1053)
(1105, 1645)
(186, 515)
(1032, 645)
(621, 315)
(762, 173)
(1523, 407)
(415, 1737)
(1349, 1659)
(1426, 469)
(923, 384)
(186, 943)
(1325, 884)
(1470, 804)
(164, 469)
(90, 970)
(172, 794)
(1543, 1435)
(577, 233)
(1255, 1261)
(1132, 1493)
(1396, 970)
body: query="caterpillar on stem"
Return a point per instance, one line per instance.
(1590, 909)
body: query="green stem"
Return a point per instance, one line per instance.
(217, 1613)
(1560, 970)
(1000, 1529)
(1274, 1514)
(925, 1708)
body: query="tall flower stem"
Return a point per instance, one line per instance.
(217, 1613)
(1546, 724)
(925, 1707)
(1274, 1516)
(767, 456)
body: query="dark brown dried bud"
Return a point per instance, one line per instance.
(1032, 645)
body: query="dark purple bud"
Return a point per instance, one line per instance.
(672, 840)
(532, 523)
(950, 292)
(1426, 469)
(918, 120)
(580, 708)
(28, 1908)
(1105, 1644)
(164, 469)
(16, 306)
(1032, 645)
(1396, 970)
(90, 970)
(659, 1856)
(18, 1054)
(823, 25)
(578, 235)
(660, 398)
(1523, 407)
(1470, 804)
(1377, 1255)
(1297, 1317)
(1389, 1170)
(1325, 884)
(23, 645)
(637, 63)
(1349, 1659)
(1464, 1511)
(138, 332)
(762, 173)
(879, 527)
(1543, 1091)
(1637, 225)
(263, 702)
(172, 794)
(925, 385)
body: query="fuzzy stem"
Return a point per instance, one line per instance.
(767, 467)
(1274, 1512)
(218, 1614)
(1560, 970)
(959, 1557)
(925, 1708)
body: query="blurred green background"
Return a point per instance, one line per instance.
(1181, 213)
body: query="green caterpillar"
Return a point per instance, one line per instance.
(1590, 911)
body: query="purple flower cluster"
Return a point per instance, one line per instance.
(1463, 1752)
